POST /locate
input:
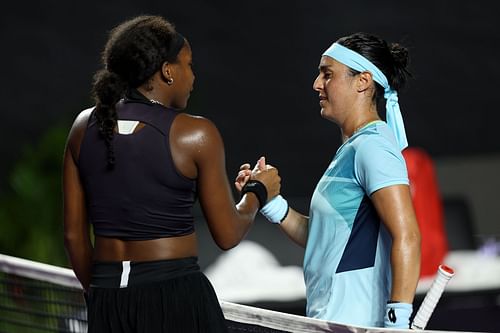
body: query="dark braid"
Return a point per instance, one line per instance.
(391, 59)
(108, 89)
(135, 50)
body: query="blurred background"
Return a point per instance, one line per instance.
(255, 63)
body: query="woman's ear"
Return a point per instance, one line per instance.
(364, 81)
(166, 73)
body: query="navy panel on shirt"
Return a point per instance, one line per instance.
(361, 247)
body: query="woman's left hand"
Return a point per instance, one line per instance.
(243, 176)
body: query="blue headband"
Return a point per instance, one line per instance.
(359, 63)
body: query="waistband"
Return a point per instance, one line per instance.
(123, 274)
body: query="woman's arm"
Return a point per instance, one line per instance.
(198, 152)
(76, 227)
(395, 208)
(295, 225)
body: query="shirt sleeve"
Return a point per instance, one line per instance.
(378, 164)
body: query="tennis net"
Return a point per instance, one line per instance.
(36, 297)
(39, 298)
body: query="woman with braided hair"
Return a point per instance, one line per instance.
(361, 238)
(133, 167)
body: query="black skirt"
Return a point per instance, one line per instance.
(149, 297)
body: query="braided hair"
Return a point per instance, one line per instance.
(392, 59)
(135, 50)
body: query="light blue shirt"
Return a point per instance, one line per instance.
(347, 260)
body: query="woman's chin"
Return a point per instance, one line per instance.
(324, 113)
(327, 115)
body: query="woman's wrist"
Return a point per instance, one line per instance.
(276, 210)
(256, 187)
(397, 315)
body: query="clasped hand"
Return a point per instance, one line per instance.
(265, 173)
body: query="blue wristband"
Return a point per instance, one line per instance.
(276, 209)
(397, 315)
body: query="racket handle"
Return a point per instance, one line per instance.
(432, 297)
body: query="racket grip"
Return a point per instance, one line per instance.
(432, 297)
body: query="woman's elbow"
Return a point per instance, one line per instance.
(70, 239)
(228, 235)
(73, 238)
(410, 239)
(414, 237)
(226, 243)
(225, 246)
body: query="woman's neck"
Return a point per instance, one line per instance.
(352, 125)
(154, 95)
(155, 90)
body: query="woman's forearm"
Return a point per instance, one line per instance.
(405, 263)
(296, 226)
(80, 255)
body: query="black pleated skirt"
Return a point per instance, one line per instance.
(149, 297)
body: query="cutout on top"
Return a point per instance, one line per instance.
(127, 127)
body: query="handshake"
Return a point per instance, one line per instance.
(265, 182)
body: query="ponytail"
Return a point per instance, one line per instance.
(107, 90)
(400, 60)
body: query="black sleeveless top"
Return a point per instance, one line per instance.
(144, 196)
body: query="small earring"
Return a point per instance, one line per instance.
(170, 81)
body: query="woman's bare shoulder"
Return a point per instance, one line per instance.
(195, 129)
(77, 131)
(82, 119)
(197, 136)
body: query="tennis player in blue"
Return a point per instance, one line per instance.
(362, 257)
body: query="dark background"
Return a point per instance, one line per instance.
(255, 63)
